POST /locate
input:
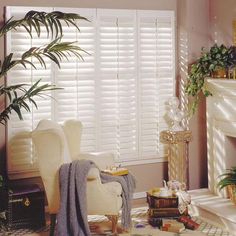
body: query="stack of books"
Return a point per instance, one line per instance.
(162, 208)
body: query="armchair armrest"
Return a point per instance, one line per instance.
(93, 174)
(109, 188)
(101, 159)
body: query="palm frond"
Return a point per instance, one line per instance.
(18, 102)
(34, 20)
(227, 178)
(56, 51)
(9, 89)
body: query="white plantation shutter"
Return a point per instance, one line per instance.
(156, 77)
(117, 82)
(77, 78)
(118, 91)
(20, 152)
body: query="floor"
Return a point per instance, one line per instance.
(138, 216)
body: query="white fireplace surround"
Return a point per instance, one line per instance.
(221, 125)
(221, 150)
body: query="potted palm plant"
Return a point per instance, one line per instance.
(56, 51)
(19, 96)
(214, 63)
(228, 181)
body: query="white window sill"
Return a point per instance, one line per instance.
(141, 162)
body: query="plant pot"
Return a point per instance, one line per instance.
(232, 73)
(231, 190)
(220, 73)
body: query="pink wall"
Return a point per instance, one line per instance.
(200, 24)
(193, 34)
(222, 13)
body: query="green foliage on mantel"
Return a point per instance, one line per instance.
(217, 58)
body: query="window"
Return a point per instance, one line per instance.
(118, 92)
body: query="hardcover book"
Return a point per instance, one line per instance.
(172, 226)
(162, 202)
(188, 222)
(165, 212)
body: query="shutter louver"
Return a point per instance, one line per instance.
(118, 114)
(20, 151)
(77, 78)
(156, 78)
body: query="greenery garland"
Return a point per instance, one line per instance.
(218, 57)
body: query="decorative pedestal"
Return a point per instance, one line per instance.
(177, 154)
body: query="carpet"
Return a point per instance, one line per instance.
(100, 226)
(139, 216)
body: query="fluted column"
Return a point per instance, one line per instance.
(178, 162)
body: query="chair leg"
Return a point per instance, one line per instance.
(114, 221)
(52, 223)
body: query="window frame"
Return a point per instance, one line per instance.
(31, 169)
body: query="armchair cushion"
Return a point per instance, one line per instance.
(49, 125)
(113, 188)
(73, 131)
(93, 174)
(49, 148)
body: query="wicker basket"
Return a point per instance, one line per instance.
(231, 190)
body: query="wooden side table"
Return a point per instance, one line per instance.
(178, 161)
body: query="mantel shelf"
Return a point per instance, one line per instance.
(221, 87)
(220, 80)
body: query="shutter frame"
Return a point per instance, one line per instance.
(115, 117)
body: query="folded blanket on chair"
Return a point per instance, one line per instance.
(128, 185)
(72, 217)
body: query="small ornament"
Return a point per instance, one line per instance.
(175, 114)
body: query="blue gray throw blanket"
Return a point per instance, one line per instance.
(72, 217)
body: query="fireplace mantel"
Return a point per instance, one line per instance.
(221, 124)
(221, 87)
(221, 149)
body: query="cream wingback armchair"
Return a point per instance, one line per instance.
(55, 145)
